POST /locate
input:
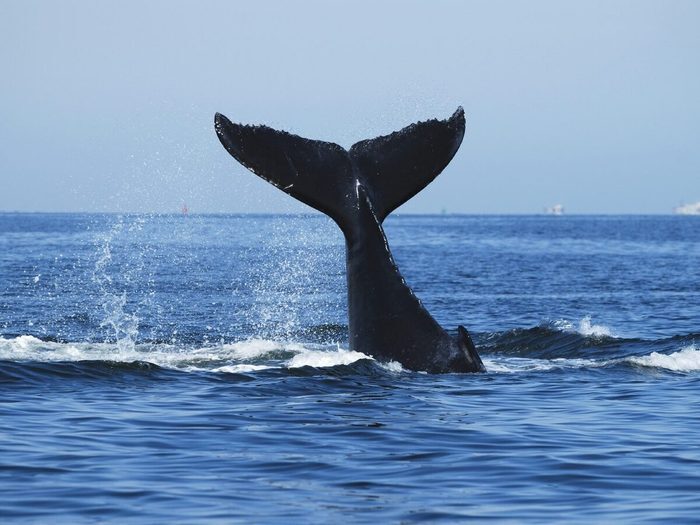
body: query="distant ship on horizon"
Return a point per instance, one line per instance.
(687, 209)
(557, 209)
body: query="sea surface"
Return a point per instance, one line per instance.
(195, 369)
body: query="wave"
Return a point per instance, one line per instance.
(685, 360)
(533, 350)
(555, 339)
(238, 357)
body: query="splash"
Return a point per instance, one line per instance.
(585, 327)
(112, 277)
(289, 283)
(124, 326)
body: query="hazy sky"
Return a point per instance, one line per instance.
(108, 106)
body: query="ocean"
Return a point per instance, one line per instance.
(195, 369)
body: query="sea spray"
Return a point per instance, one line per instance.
(122, 279)
(297, 277)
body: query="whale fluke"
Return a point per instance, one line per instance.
(392, 168)
(316, 173)
(397, 166)
(358, 189)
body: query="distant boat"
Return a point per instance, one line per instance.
(185, 209)
(557, 209)
(687, 209)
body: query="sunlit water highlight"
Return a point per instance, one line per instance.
(196, 369)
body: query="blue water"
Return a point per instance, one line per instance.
(180, 369)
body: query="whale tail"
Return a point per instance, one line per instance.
(392, 168)
(358, 189)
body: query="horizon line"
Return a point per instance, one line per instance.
(316, 213)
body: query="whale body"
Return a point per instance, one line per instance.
(358, 189)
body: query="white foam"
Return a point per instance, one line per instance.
(27, 347)
(256, 348)
(240, 369)
(230, 357)
(393, 366)
(510, 365)
(320, 358)
(585, 327)
(685, 360)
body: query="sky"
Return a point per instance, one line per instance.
(108, 106)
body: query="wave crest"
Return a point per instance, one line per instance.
(685, 360)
